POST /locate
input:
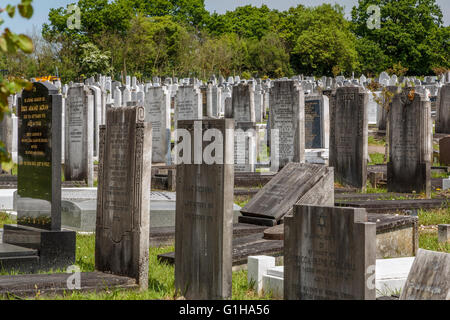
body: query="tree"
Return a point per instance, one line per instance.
(11, 43)
(325, 41)
(411, 33)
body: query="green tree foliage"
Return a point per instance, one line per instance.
(12, 43)
(411, 33)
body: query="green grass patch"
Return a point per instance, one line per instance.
(161, 283)
(434, 217)
(376, 142)
(438, 175)
(428, 240)
(6, 219)
(376, 158)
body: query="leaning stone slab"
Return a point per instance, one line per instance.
(123, 203)
(429, 278)
(295, 184)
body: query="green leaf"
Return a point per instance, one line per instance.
(11, 10)
(25, 43)
(25, 9)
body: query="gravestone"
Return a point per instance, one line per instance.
(123, 204)
(373, 107)
(79, 135)
(429, 277)
(245, 147)
(38, 199)
(287, 116)
(444, 151)
(243, 103)
(188, 104)
(157, 112)
(216, 100)
(410, 143)
(295, 184)
(329, 254)
(348, 136)
(443, 110)
(317, 122)
(259, 104)
(204, 214)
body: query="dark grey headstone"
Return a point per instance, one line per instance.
(204, 219)
(123, 204)
(39, 154)
(410, 143)
(317, 122)
(348, 136)
(429, 277)
(295, 184)
(443, 110)
(287, 115)
(243, 103)
(329, 254)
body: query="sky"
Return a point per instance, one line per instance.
(42, 8)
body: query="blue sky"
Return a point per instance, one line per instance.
(42, 7)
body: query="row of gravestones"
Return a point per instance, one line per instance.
(329, 252)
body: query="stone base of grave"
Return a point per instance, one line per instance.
(50, 284)
(56, 249)
(18, 258)
(397, 236)
(389, 206)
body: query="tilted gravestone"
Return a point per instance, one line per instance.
(429, 277)
(188, 104)
(287, 115)
(348, 136)
(410, 143)
(204, 212)
(295, 184)
(329, 254)
(123, 204)
(317, 122)
(443, 110)
(157, 112)
(39, 180)
(79, 135)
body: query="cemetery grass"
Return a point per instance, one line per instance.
(5, 219)
(372, 141)
(161, 279)
(376, 158)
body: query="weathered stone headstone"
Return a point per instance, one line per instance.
(287, 115)
(243, 103)
(410, 143)
(348, 136)
(188, 104)
(157, 109)
(123, 204)
(295, 184)
(429, 277)
(79, 135)
(245, 147)
(204, 213)
(444, 151)
(444, 233)
(317, 122)
(329, 254)
(443, 110)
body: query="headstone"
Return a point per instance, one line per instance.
(429, 277)
(295, 184)
(188, 104)
(123, 204)
(287, 116)
(317, 122)
(443, 110)
(157, 112)
(410, 143)
(39, 170)
(329, 254)
(444, 151)
(373, 107)
(348, 136)
(79, 135)
(243, 100)
(444, 233)
(204, 213)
